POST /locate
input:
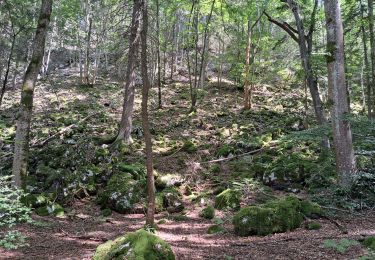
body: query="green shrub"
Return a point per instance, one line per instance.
(208, 212)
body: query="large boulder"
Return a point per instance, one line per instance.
(140, 245)
(275, 216)
(172, 200)
(122, 193)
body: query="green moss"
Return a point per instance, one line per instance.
(106, 212)
(275, 216)
(122, 193)
(313, 226)
(159, 202)
(179, 217)
(310, 209)
(208, 212)
(214, 229)
(227, 199)
(254, 220)
(136, 170)
(168, 180)
(225, 150)
(53, 209)
(34, 200)
(369, 242)
(189, 147)
(140, 245)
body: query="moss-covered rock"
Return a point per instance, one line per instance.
(172, 200)
(122, 193)
(254, 220)
(313, 226)
(168, 180)
(228, 199)
(53, 209)
(140, 245)
(34, 200)
(208, 212)
(214, 229)
(369, 242)
(275, 216)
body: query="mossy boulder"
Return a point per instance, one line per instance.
(53, 209)
(137, 171)
(139, 245)
(369, 242)
(34, 200)
(168, 180)
(272, 217)
(208, 212)
(122, 193)
(172, 200)
(228, 199)
(215, 229)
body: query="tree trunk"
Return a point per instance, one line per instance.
(158, 54)
(247, 101)
(205, 42)
(128, 105)
(372, 43)
(342, 135)
(145, 120)
(87, 54)
(366, 63)
(5, 81)
(21, 149)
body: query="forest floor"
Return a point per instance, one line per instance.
(219, 120)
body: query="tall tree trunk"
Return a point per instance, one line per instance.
(128, 105)
(366, 62)
(247, 101)
(158, 53)
(21, 144)
(87, 53)
(205, 42)
(342, 135)
(372, 44)
(145, 120)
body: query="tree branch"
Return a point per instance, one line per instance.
(285, 26)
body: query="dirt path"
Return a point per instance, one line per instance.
(77, 236)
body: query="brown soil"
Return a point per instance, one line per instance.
(77, 236)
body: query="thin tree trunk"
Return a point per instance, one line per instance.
(372, 44)
(145, 121)
(87, 54)
(158, 54)
(202, 66)
(342, 135)
(128, 105)
(367, 64)
(21, 148)
(5, 81)
(247, 101)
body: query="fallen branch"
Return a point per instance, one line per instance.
(84, 237)
(236, 156)
(41, 143)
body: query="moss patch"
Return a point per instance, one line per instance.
(208, 212)
(227, 199)
(369, 242)
(275, 216)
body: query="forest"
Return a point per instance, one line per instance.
(187, 129)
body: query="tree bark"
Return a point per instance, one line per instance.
(247, 101)
(145, 120)
(372, 44)
(366, 63)
(21, 149)
(158, 54)
(128, 105)
(342, 135)
(6, 75)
